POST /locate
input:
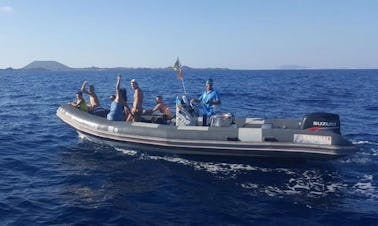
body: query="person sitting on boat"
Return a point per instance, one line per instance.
(93, 100)
(162, 107)
(209, 100)
(137, 109)
(80, 102)
(119, 108)
(112, 97)
(94, 103)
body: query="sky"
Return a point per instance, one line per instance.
(236, 34)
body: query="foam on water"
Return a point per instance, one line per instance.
(310, 183)
(229, 169)
(127, 151)
(365, 187)
(359, 142)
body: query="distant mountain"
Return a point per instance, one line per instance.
(56, 66)
(46, 65)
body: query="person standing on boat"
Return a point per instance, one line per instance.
(209, 100)
(80, 102)
(137, 109)
(93, 100)
(119, 108)
(162, 107)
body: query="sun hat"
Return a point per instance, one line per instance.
(209, 81)
(133, 81)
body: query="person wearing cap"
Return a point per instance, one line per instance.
(209, 100)
(137, 109)
(93, 100)
(80, 102)
(118, 108)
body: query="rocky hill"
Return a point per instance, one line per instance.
(46, 65)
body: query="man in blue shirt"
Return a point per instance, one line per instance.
(209, 99)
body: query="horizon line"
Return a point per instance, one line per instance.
(282, 67)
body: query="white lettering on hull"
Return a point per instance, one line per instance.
(312, 139)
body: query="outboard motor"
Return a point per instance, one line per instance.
(321, 121)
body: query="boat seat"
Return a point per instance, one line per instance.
(158, 118)
(249, 122)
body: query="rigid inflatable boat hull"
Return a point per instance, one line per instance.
(250, 141)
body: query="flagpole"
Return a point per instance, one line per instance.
(177, 67)
(183, 85)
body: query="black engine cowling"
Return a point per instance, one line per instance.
(321, 121)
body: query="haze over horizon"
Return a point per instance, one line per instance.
(50, 65)
(243, 34)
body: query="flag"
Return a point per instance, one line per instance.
(179, 74)
(177, 65)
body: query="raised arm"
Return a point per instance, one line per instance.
(118, 85)
(83, 89)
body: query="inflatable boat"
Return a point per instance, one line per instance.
(314, 136)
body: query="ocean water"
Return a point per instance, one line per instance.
(51, 176)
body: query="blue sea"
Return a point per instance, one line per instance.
(51, 176)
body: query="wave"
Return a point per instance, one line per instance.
(216, 168)
(357, 142)
(365, 187)
(271, 181)
(301, 184)
(127, 151)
